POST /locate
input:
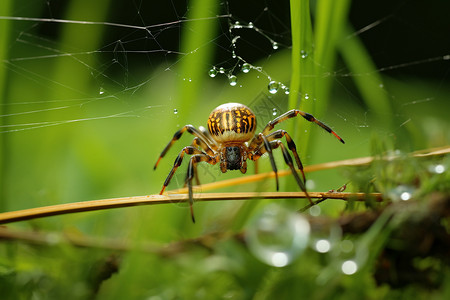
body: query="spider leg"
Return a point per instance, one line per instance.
(294, 113)
(190, 174)
(291, 145)
(289, 162)
(189, 150)
(267, 148)
(192, 130)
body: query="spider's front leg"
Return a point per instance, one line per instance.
(192, 170)
(295, 112)
(186, 150)
(206, 143)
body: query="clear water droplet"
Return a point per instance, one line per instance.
(101, 91)
(274, 111)
(322, 246)
(303, 54)
(213, 72)
(438, 169)
(222, 70)
(277, 236)
(349, 267)
(273, 87)
(246, 67)
(175, 111)
(275, 45)
(232, 79)
(250, 25)
(306, 96)
(286, 90)
(310, 184)
(401, 192)
(326, 238)
(315, 211)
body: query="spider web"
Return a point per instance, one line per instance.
(124, 78)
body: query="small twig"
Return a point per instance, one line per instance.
(68, 208)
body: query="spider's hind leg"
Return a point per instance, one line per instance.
(288, 159)
(291, 145)
(192, 170)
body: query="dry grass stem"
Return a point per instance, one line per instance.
(93, 205)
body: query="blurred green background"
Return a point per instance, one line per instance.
(91, 92)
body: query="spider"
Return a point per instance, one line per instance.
(230, 140)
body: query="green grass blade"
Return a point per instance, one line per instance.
(330, 17)
(367, 79)
(302, 81)
(5, 8)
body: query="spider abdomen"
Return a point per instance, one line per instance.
(232, 122)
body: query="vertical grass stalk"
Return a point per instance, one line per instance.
(5, 8)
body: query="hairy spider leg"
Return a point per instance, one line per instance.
(288, 160)
(196, 142)
(307, 116)
(192, 130)
(190, 174)
(186, 150)
(268, 148)
(278, 134)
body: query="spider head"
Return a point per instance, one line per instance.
(233, 158)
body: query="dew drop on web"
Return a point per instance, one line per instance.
(246, 67)
(273, 87)
(232, 79)
(212, 73)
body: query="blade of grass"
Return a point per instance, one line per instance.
(195, 43)
(330, 17)
(5, 8)
(367, 79)
(302, 81)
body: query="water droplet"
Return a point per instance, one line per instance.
(286, 90)
(232, 79)
(349, 267)
(326, 238)
(101, 91)
(401, 192)
(323, 246)
(310, 184)
(315, 211)
(237, 25)
(275, 45)
(273, 87)
(175, 111)
(277, 236)
(438, 169)
(213, 72)
(222, 70)
(250, 25)
(303, 54)
(246, 67)
(274, 111)
(306, 97)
